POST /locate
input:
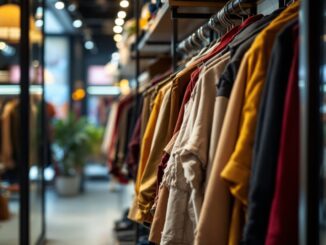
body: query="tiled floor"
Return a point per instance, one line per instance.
(87, 219)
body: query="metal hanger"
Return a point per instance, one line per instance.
(221, 22)
(193, 45)
(242, 11)
(201, 34)
(236, 14)
(224, 19)
(212, 23)
(189, 45)
(194, 40)
(227, 15)
(289, 2)
(182, 48)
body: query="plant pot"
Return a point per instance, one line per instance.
(67, 185)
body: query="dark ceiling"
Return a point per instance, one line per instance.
(99, 15)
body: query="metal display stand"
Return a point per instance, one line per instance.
(24, 118)
(311, 29)
(164, 33)
(161, 39)
(310, 77)
(24, 97)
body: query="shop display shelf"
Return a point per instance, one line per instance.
(157, 38)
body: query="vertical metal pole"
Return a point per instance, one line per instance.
(311, 127)
(137, 62)
(24, 121)
(281, 3)
(174, 38)
(136, 10)
(137, 73)
(44, 123)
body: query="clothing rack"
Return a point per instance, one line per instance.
(219, 23)
(310, 63)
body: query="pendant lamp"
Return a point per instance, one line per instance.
(10, 25)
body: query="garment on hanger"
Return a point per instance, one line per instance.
(134, 149)
(161, 201)
(109, 127)
(11, 155)
(162, 190)
(237, 169)
(189, 156)
(283, 220)
(217, 202)
(6, 125)
(198, 148)
(135, 214)
(194, 76)
(165, 123)
(119, 139)
(269, 123)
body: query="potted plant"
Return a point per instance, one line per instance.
(72, 145)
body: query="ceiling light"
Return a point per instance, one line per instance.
(89, 45)
(39, 23)
(119, 21)
(124, 3)
(59, 5)
(3, 45)
(10, 27)
(122, 14)
(117, 37)
(77, 23)
(72, 7)
(117, 29)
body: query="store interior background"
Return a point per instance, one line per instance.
(79, 58)
(85, 57)
(82, 77)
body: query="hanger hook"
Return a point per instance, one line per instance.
(241, 9)
(223, 19)
(194, 41)
(201, 35)
(228, 15)
(212, 25)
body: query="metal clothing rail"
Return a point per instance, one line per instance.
(175, 15)
(218, 23)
